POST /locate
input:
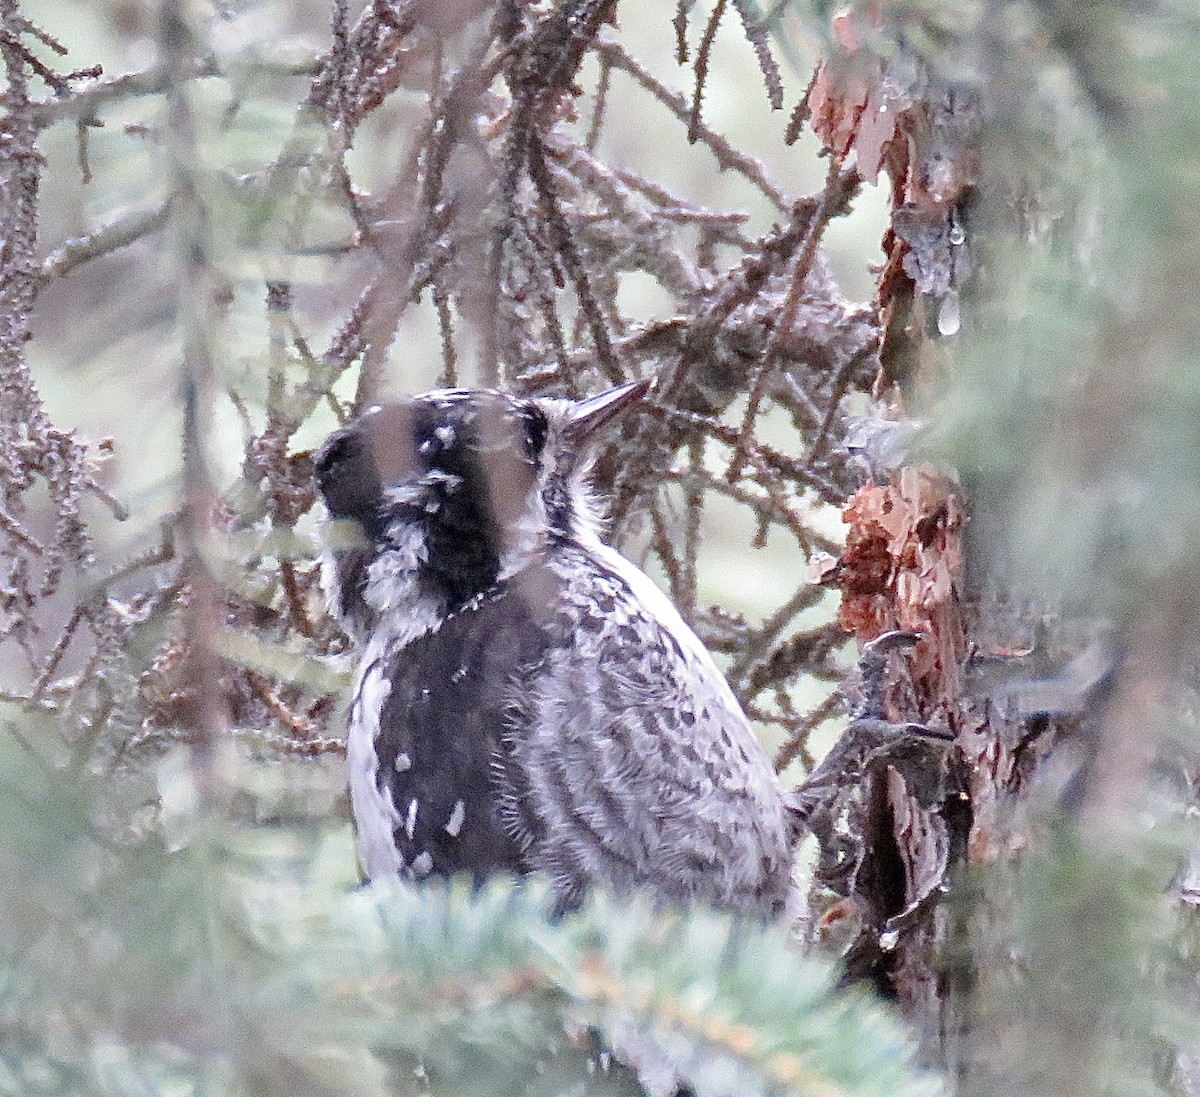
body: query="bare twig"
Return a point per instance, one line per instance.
(756, 35)
(728, 157)
(112, 237)
(301, 747)
(797, 742)
(85, 103)
(830, 202)
(703, 55)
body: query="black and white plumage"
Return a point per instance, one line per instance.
(527, 699)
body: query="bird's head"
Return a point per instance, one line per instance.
(437, 497)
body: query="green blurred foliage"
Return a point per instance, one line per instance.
(1071, 406)
(204, 958)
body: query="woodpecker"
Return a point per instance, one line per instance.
(527, 700)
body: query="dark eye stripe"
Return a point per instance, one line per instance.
(424, 431)
(536, 427)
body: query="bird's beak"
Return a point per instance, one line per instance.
(588, 416)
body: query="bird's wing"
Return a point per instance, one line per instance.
(637, 765)
(440, 731)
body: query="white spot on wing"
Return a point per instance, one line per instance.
(410, 824)
(403, 761)
(456, 819)
(422, 864)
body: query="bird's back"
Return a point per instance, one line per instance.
(568, 722)
(638, 758)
